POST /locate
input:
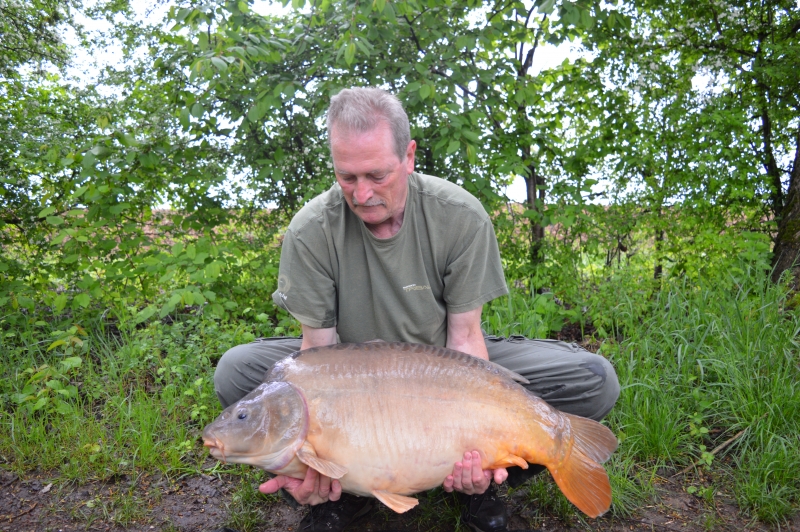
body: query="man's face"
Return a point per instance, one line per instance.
(373, 179)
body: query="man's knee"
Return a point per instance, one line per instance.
(606, 386)
(230, 376)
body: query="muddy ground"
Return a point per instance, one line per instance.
(204, 503)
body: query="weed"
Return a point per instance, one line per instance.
(248, 507)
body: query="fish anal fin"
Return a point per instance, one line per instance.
(398, 503)
(508, 461)
(309, 457)
(584, 482)
(375, 341)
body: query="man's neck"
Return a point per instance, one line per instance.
(389, 228)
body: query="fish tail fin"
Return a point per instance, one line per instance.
(580, 476)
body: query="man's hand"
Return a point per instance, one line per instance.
(468, 476)
(314, 489)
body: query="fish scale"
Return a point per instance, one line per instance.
(390, 419)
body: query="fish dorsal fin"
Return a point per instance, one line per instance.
(309, 457)
(513, 375)
(398, 503)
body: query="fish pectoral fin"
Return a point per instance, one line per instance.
(510, 460)
(309, 457)
(398, 503)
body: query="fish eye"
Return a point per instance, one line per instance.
(242, 414)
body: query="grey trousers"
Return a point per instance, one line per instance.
(567, 376)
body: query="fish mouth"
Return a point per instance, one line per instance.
(215, 447)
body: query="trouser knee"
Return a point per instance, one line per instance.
(228, 381)
(606, 390)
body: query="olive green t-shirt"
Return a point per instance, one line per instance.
(444, 259)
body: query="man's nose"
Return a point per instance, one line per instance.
(363, 191)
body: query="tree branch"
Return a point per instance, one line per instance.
(414, 35)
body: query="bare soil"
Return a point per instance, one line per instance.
(37, 502)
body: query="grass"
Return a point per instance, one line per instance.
(699, 362)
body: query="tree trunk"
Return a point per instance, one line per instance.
(658, 271)
(534, 184)
(786, 254)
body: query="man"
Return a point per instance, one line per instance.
(392, 254)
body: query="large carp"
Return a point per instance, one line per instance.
(390, 419)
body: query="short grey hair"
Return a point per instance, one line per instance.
(361, 109)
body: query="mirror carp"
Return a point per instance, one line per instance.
(390, 420)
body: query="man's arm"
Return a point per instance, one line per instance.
(464, 333)
(313, 337)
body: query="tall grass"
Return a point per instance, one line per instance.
(142, 395)
(704, 365)
(699, 362)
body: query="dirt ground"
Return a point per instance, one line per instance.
(201, 503)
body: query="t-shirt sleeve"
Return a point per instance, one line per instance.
(306, 287)
(474, 273)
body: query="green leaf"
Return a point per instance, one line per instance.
(71, 362)
(54, 385)
(56, 344)
(453, 146)
(82, 299)
(144, 314)
(587, 21)
(197, 110)
(213, 270)
(60, 302)
(424, 91)
(221, 65)
(46, 211)
(350, 53)
(100, 151)
(55, 220)
(546, 7)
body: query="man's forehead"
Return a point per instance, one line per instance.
(376, 170)
(343, 132)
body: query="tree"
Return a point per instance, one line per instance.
(463, 71)
(749, 51)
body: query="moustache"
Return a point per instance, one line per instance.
(372, 202)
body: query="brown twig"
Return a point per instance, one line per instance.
(9, 482)
(719, 447)
(23, 513)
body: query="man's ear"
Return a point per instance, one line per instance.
(410, 151)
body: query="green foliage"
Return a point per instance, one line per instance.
(725, 356)
(535, 316)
